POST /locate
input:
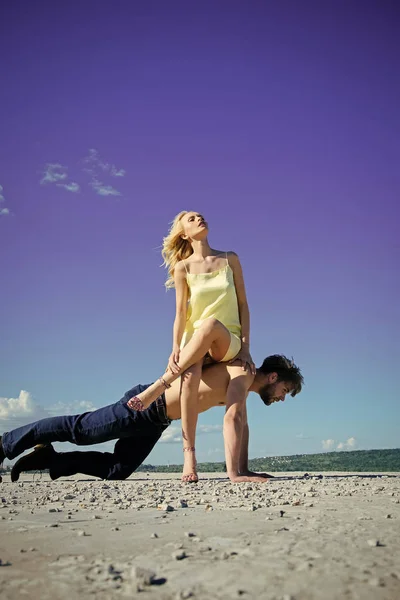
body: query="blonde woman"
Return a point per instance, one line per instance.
(212, 317)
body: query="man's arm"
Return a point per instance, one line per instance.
(244, 451)
(234, 419)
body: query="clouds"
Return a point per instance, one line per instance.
(173, 435)
(348, 445)
(94, 172)
(331, 445)
(328, 444)
(4, 211)
(58, 174)
(97, 169)
(15, 412)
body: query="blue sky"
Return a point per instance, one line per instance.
(286, 140)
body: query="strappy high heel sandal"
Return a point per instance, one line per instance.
(190, 477)
(136, 404)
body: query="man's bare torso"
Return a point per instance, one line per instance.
(212, 391)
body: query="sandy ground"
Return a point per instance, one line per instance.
(294, 538)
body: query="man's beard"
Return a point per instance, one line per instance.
(267, 392)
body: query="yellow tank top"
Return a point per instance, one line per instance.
(212, 295)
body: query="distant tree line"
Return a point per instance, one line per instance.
(356, 460)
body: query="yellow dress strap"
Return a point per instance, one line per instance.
(184, 264)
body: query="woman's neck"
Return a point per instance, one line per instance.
(201, 249)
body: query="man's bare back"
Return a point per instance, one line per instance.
(212, 390)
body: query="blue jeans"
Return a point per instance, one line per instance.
(137, 433)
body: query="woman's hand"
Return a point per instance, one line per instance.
(244, 357)
(173, 360)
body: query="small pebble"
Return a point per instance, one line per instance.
(179, 555)
(82, 533)
(376, 582)
(144, 576)
(165, 507)
(184, 594)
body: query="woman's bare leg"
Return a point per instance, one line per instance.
(212, 334)
(189, 413)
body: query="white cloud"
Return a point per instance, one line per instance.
(53, 173)
(72, 408)
(58, 174)
(349, 444)
(173, 435)
(117, 172)
(104, 190)
(94, 165)
(71, 187)
(15, 412)
(208, 428)
(19, 411)
(328, 444)
(4, 212)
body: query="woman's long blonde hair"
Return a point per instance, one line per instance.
(175, 248)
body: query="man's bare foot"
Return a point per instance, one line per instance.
(189, 474)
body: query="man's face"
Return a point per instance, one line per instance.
(275, 392)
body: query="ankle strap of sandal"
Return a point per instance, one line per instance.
(136, 404)
(189, 449)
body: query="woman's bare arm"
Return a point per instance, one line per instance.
(244, 313)
(181, 297)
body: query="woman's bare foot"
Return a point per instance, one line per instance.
(189, 474)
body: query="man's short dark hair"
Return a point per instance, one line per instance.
(285, 369)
